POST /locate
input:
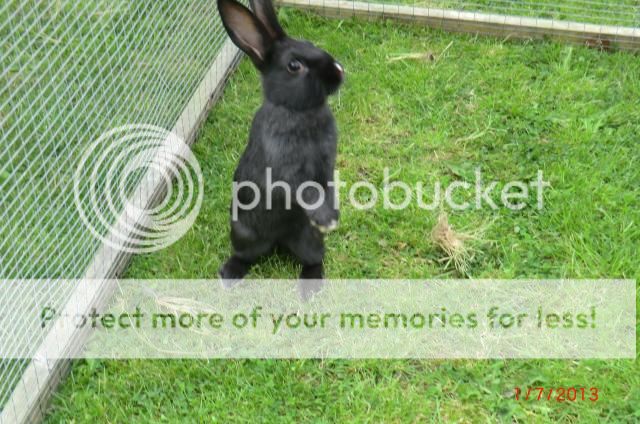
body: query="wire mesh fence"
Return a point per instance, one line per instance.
(71, 71)
(604, 24)
(608, 12)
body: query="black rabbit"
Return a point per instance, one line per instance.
(292, 143)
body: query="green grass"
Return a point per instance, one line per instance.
(510, 108)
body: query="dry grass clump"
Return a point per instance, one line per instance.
(457, 246)
(422, 56)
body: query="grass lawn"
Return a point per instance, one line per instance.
(510, 108)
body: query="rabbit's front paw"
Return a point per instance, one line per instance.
(326, 228)
(324, 219)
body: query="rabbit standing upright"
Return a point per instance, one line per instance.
(292, 144)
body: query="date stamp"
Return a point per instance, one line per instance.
(557, 394)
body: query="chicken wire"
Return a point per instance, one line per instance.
(604, 24)
(606, 12)
(71, 71)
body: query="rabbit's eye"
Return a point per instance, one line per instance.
(294, 66)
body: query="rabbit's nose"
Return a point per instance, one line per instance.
(339, 68)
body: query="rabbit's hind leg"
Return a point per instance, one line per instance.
(248, 248)
(307, 245)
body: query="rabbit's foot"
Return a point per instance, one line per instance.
(311, 281)
(233, 271)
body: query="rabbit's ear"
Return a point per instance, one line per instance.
(267, 15)
(245, 30)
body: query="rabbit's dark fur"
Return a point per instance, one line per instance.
(294, 136)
